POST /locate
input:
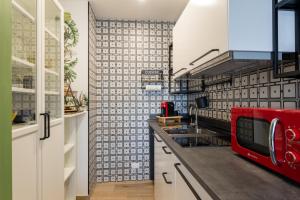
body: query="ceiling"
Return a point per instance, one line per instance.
(160, 10)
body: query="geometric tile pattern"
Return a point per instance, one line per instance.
(124, 49)
(252, 89)
(92, 99)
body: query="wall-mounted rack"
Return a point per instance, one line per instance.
(152, 76)
(283, 62)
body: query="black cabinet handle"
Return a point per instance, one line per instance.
(48, 123)
(166, 152)
(186, 181)
(158, 140)
(45, 126)
(209, 52)
(164, 176)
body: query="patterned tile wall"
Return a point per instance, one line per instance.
(252, 89)
(92, 99)
(124, 48)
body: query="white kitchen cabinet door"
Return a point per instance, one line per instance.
(158, 167)
(186, 186)
(167, 173)
(52, 166)
(163, 171)
(199, 29)
(182, 191)
(52, 148)
(207, 29)
(24, 167)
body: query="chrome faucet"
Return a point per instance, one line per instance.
(194, 110)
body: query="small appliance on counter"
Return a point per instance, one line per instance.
(169, 117)
(270, 137)
(167, 109)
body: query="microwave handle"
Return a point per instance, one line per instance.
(272, 140)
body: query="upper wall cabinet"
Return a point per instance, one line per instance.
(210, 28)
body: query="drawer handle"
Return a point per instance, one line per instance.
(158, 140)
(164, 176)
(166, 152)
(176, 165)
(209, 52)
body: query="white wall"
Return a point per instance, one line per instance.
(79, 11)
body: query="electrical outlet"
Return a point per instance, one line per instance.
(135, 165)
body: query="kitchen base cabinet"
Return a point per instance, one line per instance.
(163, 171)
(186, 186)
(53, 163)
(24, 167)
(172, 181)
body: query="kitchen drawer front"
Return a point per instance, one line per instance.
(164, 178)
(192, 188)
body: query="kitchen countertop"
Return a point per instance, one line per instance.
(227, 176)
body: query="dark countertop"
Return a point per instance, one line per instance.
(227, 176)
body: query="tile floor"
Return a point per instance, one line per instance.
(124, 191)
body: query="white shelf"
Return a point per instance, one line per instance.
(21, 63)
(51, 34)
(68, 147)
(68, 171)
(22, 10)
(49, 71)
(51, 93)
(75, 114)
(23, 90)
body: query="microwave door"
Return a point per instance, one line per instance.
(253, 134)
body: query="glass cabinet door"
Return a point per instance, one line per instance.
(24, 66)
(52, 62)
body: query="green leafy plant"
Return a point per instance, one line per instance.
(71, 36)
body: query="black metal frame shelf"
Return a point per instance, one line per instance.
(158, 79)
(279, 58)
(287, 4)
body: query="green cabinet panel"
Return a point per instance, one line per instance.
(5, 101)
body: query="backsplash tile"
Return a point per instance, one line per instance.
(124, 49)
(253, 89)
(93, 101)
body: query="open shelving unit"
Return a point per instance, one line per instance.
(72, 124)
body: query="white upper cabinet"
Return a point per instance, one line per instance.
(209, 28)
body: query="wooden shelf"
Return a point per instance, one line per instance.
(23, 90)
(68, 147)
(49, 71)
(75, 114)
(21, 63)
(68, 171)
(22, 10)
(52, 35)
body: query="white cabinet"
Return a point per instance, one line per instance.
(163, 170)
(24, 168)
(52, 177)
(172, 181)
(37, 74)
(207, 29)
(186, 186)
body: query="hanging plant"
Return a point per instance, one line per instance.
(71, 36)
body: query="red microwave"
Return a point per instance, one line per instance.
(269, 137)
